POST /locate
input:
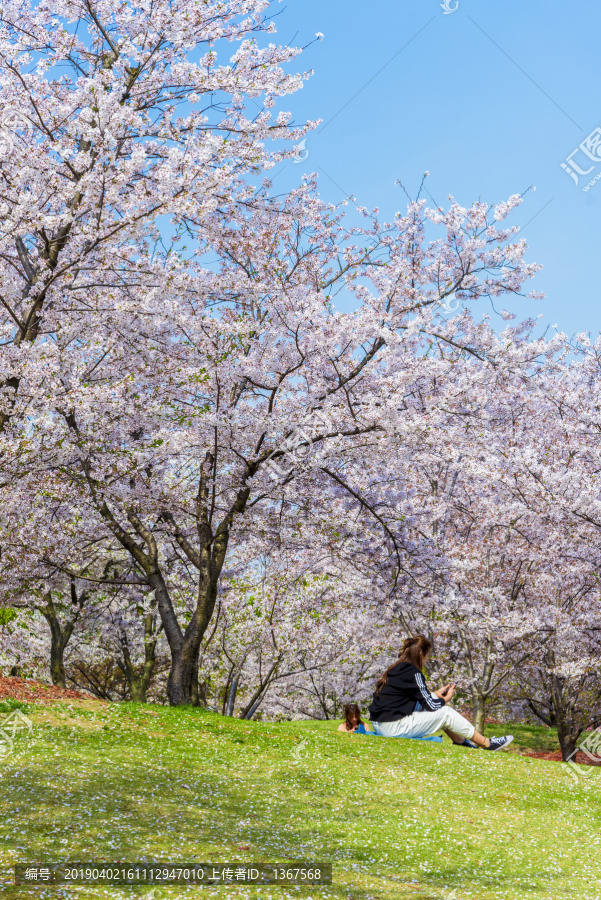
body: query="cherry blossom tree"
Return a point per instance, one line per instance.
(116, 116)
(198, 434)
(174, 368)
(191, 442)
(549, 461)
(114, 119)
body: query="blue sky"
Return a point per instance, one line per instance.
(490, 99)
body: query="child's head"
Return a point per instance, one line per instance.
(352, 714)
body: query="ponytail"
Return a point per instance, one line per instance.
(414, 650)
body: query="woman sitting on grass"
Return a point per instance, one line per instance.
(403, 706)
(352, 715)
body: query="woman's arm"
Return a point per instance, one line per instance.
(429, 701)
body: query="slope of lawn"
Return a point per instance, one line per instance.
(397, 819)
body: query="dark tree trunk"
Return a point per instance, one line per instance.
(207, 557)
(254, 708)
(557, 715)
(560, 710)
(57, 662)
(60, 634)
(481, 682)
(196, 699)
(138, 677)
(182, 684)
(564, 701)
(568, 744)
(479, 713)
(231, 697)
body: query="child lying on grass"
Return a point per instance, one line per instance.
(402, 705)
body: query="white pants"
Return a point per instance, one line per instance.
(421, 724)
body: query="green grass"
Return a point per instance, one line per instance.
(397, 819)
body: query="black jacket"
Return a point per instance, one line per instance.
(404, 692)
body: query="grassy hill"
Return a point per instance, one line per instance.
(398, 819)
